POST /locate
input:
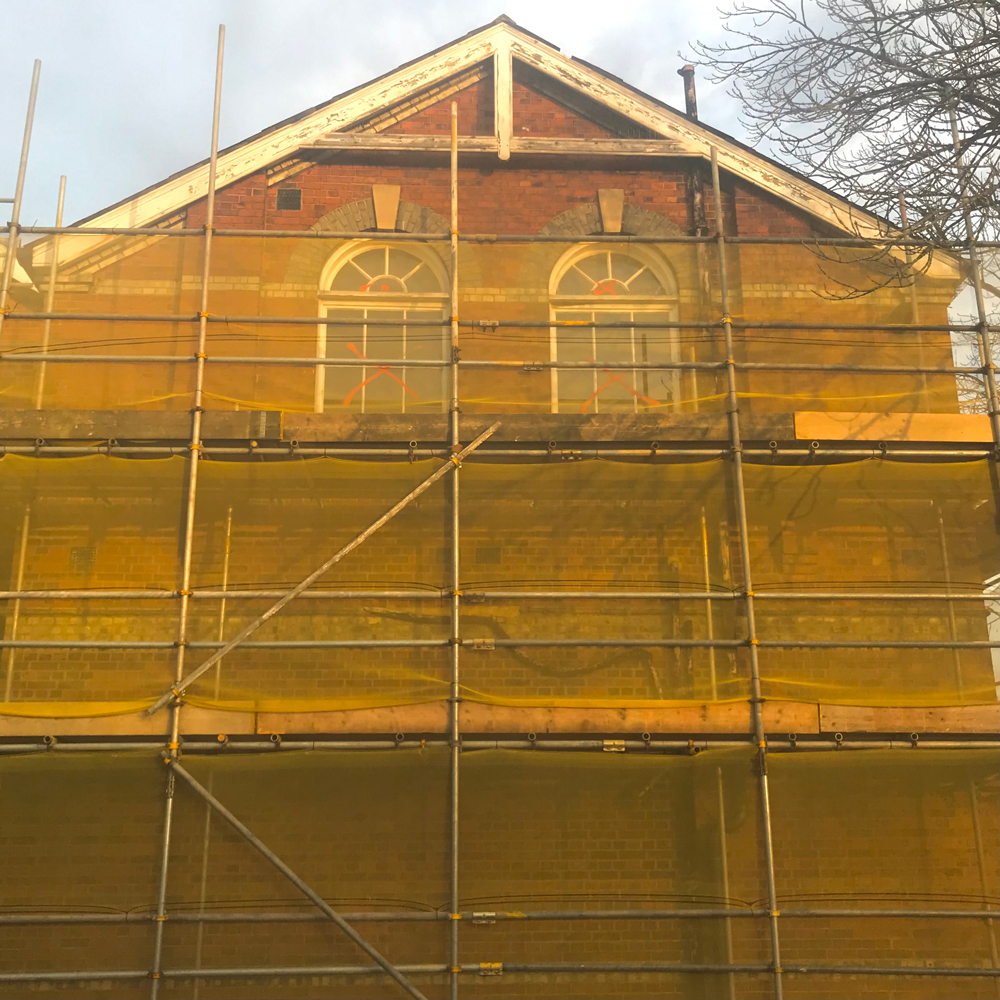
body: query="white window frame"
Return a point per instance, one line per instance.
(395, 301)
(668, 302)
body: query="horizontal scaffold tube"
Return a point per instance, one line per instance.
(393, 236)
(292, 452)
(494, 595)
(489, 324)
(280, 971)
(154, 359)
(509, 643)
(432, 916)
(782, 744)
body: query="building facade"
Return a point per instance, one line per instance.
(673, 669)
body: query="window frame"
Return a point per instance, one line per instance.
(668, 302)
(329, 299)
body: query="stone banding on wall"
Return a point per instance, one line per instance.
(307, 260)
(585, 220)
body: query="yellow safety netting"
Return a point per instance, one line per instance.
(539, 831)
(566, 302)
(562, 528)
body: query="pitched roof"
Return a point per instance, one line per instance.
(498, 43)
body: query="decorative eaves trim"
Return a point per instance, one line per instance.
(501, 41)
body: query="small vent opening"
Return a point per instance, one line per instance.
(289, 199)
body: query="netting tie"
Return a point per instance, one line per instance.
(454, 916)
(161, 916)
(173, 746)
(776, 913)
(749, 593)
(730, 361)
(762, 745)
(200, 354)
(726, 318)
(203, 315)
(154, 975)
(754, 642)
(456, 968)
(184, 593)
(456, 593)
(456, 461)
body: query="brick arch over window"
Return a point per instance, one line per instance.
(585, 220)
(309, 258)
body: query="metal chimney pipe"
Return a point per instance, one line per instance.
(690, 97)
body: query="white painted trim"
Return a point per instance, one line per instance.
(503, 96)
(255, 154)
(402, 141)
(489, 144)
(687, 136)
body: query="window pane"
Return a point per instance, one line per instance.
(654, 345)
(574, 282)
(426, 385)
(645, 283)
(415, 275)
(575, 344)
(383, 386)
(340, 381)
(615, 390)
(606, 273)
(356, 275)
(385, 389)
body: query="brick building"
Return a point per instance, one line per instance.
(683, 683)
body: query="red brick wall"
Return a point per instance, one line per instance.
(475, 114)
(537, 115)
(496, 197)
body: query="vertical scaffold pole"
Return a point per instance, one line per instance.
(194, 454)
(756, 711)
(15, 611)
(50, 293)
(15, 212)
(454, 734)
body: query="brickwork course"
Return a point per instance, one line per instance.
(608, 508)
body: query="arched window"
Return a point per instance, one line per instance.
(388, 304)
(615, 301)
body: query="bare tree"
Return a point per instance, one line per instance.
(860, 95)
(894, 104)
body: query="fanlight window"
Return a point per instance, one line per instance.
(387, 305)
(609, 273)
(616, 303)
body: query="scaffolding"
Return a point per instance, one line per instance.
(707, 760)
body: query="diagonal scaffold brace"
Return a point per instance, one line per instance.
(305, 889)
(455, 460)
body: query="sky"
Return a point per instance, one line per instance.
(125, 97)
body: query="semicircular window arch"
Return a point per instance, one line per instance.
(385, 304)
(613, 308)
(609, 273)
